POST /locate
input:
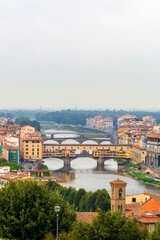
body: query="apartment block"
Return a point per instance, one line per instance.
(31, 144)
(100, 123)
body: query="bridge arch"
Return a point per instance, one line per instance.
(89, 142)
(70, 141)
(105, 142)
(80, 163)
(50, 142)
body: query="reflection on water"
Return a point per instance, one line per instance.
(89, 176)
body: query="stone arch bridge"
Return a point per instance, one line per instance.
(78, 140)
(99, 152)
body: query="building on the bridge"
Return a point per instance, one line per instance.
(31, 144)
(153, 150)
(100, 123)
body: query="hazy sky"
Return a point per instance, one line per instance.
(80, 53)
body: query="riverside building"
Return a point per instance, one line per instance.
(31, 144)
(100, 123)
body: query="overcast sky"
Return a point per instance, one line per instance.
(83, 54)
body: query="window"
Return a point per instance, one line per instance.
(133, 199)
(32, 141)
(26, 152)
(120, 193)
(26, 141)
(112, 192)
(120, 207)
(113, 208)
(151, 227)
(26, 149)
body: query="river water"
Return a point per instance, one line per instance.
(85, 174)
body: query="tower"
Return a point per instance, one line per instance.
(118, 195)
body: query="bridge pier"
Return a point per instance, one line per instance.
(52, 136)
(66, 162)
(100, 162)
(100, 168)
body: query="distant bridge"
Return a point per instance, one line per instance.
(99, 152)
(78, 140)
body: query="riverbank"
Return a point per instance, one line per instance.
(136, 172)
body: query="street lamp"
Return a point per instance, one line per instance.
(57, 210)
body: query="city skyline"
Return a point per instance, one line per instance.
(80, 55)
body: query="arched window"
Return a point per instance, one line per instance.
(120, 193)
(120, 207)
(112, 208)
(112, 192)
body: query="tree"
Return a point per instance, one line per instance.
(27, 211)
(155, 235)
(26, 121)
(103, 200)
(13, 166)
(107, 226)
(77, 197)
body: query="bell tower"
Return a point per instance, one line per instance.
(118, 195)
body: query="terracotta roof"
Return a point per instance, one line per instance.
(153, 136)
(118, 181)
(86, 216)
(36, 171)
(140, 148)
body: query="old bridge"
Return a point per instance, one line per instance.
(100, 152)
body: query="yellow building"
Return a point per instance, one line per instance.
(31, 144)
(139, 198)
(138, 154)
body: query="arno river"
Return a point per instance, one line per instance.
(87, 176)
(84, 174)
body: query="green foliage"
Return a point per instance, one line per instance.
(49, 236)
(2, 160)
(42, 167)
(27, 211)
(143, 177)
(155, 235)
(77, 197)
(81, 200)
(107, 226)
(13, 166)
(22, 121)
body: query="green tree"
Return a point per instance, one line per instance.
(13, 166)
(81, 231)
(155, 235)
(22, 121)
(107, 226)
(49, 236)
(27, 211)
(103, 200)
(77, 197)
